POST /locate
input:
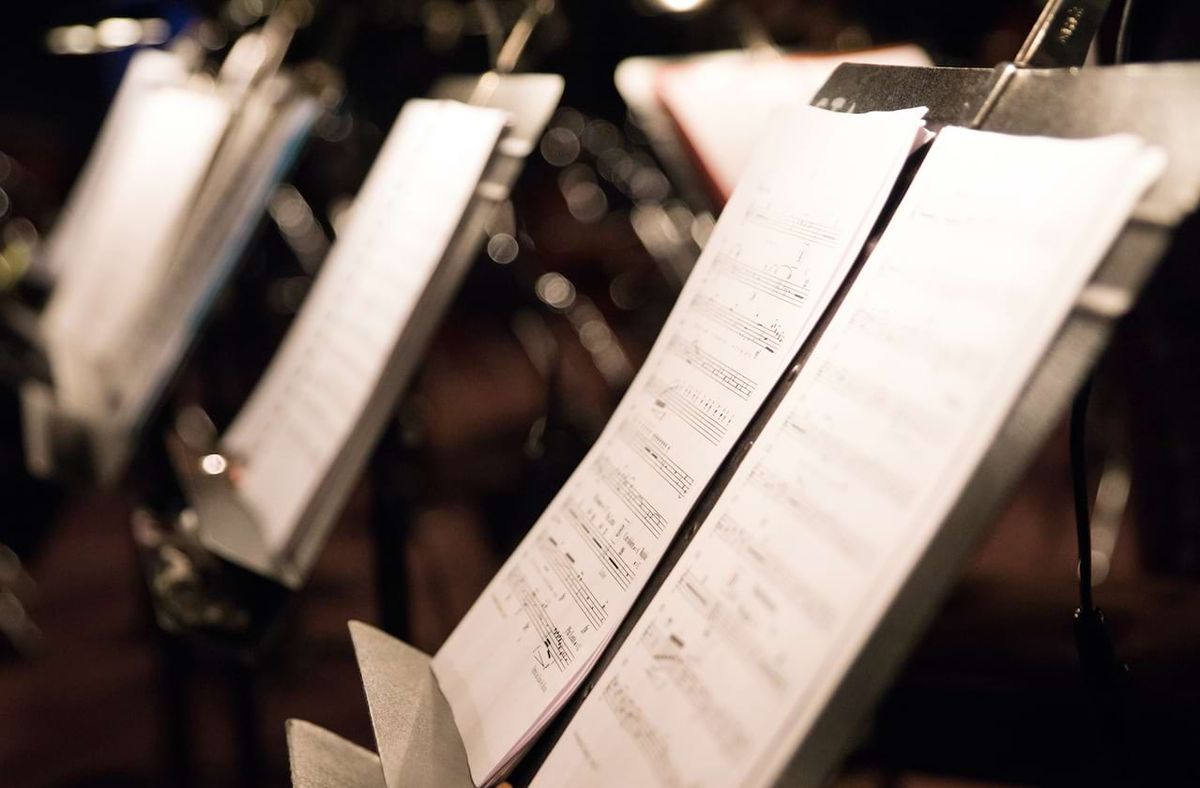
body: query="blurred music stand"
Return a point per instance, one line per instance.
(269, 115)
(220, 529)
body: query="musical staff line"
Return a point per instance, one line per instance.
(813, 517)
(765, 337)
(562, 564)
(768, 284)
(721, 373)
(620, 483)
(557, 649)
(701, 418)
(800, 227)
(602, 548)
(644, 444)
(670, 664)
(732, 629)
(770, 566)
(649, 740)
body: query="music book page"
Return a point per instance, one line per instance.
(792, 230)
(294, 425)
(262, 142)
(128, 229)
(147, 70)
(721, 102)
(751, 632)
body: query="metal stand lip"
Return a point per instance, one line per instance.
(415, 732)
(225, 523)
(414, 728)
(320, 759)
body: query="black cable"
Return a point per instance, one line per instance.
(1079, 484)
(1103, 672)
(1122, 52)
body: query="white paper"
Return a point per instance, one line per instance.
(148, 69)
(296, 422)
(129, 227)
(753, 629)
(721, 102)
(268, 131)
(777, 255)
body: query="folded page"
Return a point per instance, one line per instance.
(753, 629)
(787, 239)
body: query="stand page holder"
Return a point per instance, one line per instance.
(224, 537)
(1161, 103)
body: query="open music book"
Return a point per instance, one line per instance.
(787, 239)
(290, 437)
(177, 182)
(267, 133)
(121, 241)
(753, 629)
(148, 70)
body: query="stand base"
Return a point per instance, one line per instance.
(418, 742)
(320, 759)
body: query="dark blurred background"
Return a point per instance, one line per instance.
(532, 358)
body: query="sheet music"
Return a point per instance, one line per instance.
(134, 214)
(776, 257)
(754, 627)
(721, 101)
(290, 431)
(147, 70)
(265, 137)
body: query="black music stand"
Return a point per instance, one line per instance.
(1162, 104)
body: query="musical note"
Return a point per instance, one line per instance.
(712, 367)
(765, 336)
(299, 418)
(656, 453)
(750, 301)
(751, 635)
(621, 483)
(596, 541)
(701, 412)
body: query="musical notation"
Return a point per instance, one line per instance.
(669, 664)
(806, 512)
(701, 412)
(303, 413)
(770, 283)
(602, 548)
(621, 483)
(813, 539)
(806, 229)
(648, 446)
(733, 332)
(648, 739)
(552, 646)
(728, 377)
(765, 336)
(562, 563)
